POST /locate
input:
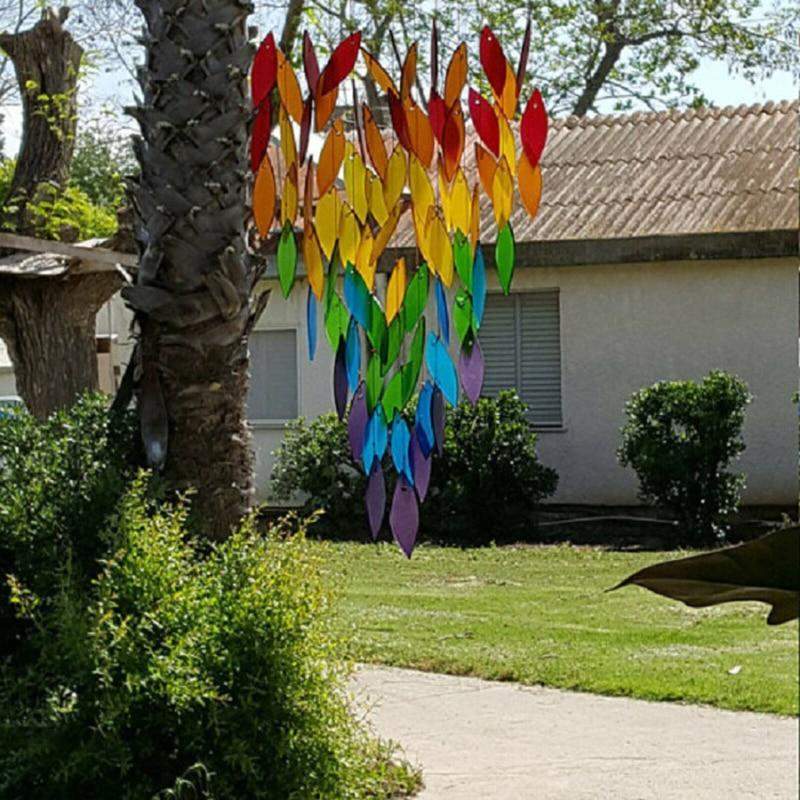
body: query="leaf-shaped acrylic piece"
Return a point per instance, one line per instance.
(434, 55)
(349, 235)
(416, 298)
(341, 63)
(264, 198)
(508, 100)
(396, 290)
(475, 218)
(438, 249)
(400, 447)
(375, 144)
(395, 177)
(392, 343)
(442, 316)
(478, 288)
(259, 136)
(423, 420)
(305, 129)
(289, 88)
(324, 106)
(456, 77)
(355, 183)
(340, 379)
(365, 264)
(377, 202)
(312, 258)
(413, 366)
(487, 166)
(438, 419)
(265, 71)
(420, 134)
(378, 73)
(404, 516)
(485, 121)
(471, 371)
(374, 382)
(453, 138)
(375, 500)
(419, 184)
(461, 203)
(392, 400)
(462, 256)
(357, 421)
(377, 325)
(530, 185)
(508, 146)
(336, 320)
(289, 200)
(441, 368)
(504, 257)
(287, 258)
(409, 72)
(399, 123)
(353, 355)
(311, 324)
(421, 466)
(533, 128)
(502, 193)
(327, 220)
(766, 570)
(493, 60)
(331, 157)
(310, 62)
(462, 317)
(356, 296)
(523, 55)
(437, 114)
(376, 439)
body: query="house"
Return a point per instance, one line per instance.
(666, 246)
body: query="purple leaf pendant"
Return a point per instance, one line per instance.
(421, 464)
(404, 516)
(376, 499)
(340, 380)
(470, 371)
(357, 422)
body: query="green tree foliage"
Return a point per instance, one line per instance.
(486, 485)
(680, 438)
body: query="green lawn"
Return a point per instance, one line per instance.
(540, 615)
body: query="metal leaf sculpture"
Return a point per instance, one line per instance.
(766, 570)
(362, 181)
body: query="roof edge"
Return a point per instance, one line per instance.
(642, 249)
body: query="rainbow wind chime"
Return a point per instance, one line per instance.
(381, 344)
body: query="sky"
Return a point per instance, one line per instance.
(713, 78)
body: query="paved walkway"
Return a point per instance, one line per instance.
(478, 740)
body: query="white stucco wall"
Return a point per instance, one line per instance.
(624, 327)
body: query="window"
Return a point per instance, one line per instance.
(273, 375)
(521, 340)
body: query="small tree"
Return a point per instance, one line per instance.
(679, 438)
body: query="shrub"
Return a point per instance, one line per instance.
(60, 480)
(679, 438)
(140, 663)
(486, 485)
(214, 666)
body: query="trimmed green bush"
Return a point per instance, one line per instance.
(486, 485)
(143, 663)
(680, 438)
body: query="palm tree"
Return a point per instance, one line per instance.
(194, 295)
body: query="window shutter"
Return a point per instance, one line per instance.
(521, 341)
(273, 375)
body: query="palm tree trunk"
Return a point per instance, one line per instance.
(193, 295)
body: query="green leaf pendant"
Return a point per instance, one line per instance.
(504, 257)
(287, 258)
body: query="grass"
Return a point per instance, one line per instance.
(540, 615)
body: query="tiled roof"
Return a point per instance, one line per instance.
(697, 171)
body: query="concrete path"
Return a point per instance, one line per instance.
(478, 740)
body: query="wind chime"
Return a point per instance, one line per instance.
(381, 344)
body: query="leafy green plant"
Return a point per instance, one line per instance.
(138, 662)
(486, 485)
(100, 161)
(186, 667)
(60, 480)
(679, 438)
